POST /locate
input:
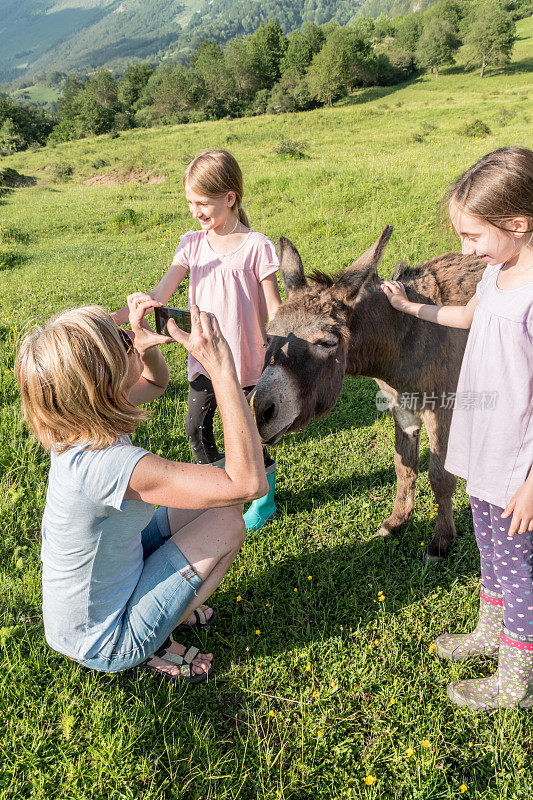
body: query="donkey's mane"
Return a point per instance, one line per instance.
(445, 279)
(323, 279)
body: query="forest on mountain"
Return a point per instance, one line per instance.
(80, 36)
(267, 71)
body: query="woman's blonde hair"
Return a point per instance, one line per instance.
(72, 374)
(498, 188)
(215, 173)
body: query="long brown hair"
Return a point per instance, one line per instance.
(214, 173)
(498, 188)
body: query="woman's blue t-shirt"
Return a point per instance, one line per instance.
(91, 545)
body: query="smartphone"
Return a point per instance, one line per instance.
(181, 317)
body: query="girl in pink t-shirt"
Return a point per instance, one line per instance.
(491, 444)
(232, 274)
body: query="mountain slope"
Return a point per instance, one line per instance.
(65, 35)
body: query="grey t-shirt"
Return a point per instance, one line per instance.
(91, 545)
(491, 435)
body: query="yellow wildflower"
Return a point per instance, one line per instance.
(370, 780)
(257, 632)
(462, 788)
(426, 743)
(409, 752)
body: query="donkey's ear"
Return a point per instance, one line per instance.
(291, 265)
(364, 269)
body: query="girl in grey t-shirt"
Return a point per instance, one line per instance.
(491, 435)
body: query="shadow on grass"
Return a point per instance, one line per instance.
(342, 592)
(10, 259)
(524, 66)
(376, 92)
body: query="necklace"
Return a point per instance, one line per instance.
(234, 227)
(226, 234)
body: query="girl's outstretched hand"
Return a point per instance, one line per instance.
(395, 292)
(140, 304)
(205, 342)
(521, 507)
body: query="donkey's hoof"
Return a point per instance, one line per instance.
(436, 552)
(387, 530)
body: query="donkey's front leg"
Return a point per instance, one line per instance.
(443, 483)
(406, 444)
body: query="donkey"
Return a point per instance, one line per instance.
(330, 328)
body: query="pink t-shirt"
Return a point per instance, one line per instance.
(228, 285)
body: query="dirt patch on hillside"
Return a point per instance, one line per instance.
(132, 176)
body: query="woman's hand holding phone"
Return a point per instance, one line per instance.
(140, 304)
(205, 342)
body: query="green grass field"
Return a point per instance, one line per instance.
(45, 96)
(320, 687)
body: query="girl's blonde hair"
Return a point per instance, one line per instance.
(498, 188)
(72, 374)
(215, 173)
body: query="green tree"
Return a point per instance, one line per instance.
(102, 88)
(491, 36)
(209, 64)
(408, 31)
(315, 35)
(131, 87)
(345, 61)
(241, 63)
(71, 88)
(452, 11)
(171, 92)
(291, 93)
(23, 125)
(437, 44)
(364, 26)
(298, 54)
(267, 47)
(383, 27)
(10, 138)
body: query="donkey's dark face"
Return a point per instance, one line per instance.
(307, 344)
(304, 366)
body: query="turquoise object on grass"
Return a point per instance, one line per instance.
(263, 509)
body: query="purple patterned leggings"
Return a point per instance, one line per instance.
(506, 564)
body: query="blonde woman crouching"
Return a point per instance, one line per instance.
(117, 577)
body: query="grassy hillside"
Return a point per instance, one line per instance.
(336, 686)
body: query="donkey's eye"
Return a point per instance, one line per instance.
(327, 344)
